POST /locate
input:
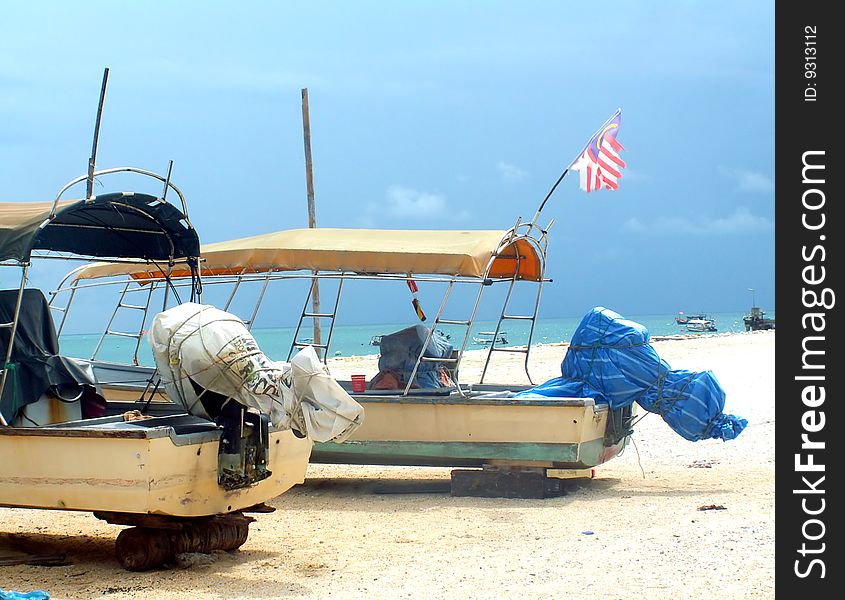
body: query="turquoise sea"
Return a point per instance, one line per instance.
(354, 340)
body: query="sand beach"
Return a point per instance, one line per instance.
(667, 519)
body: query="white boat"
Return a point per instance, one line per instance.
(63, 447)
(683, 319)
(701, 325)
(485, 338)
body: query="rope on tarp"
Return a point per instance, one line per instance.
(618, 430)
(662, 403)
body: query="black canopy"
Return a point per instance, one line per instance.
(115, 225)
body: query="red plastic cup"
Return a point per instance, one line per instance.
(359, 384)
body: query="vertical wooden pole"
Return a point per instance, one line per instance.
(312, 213)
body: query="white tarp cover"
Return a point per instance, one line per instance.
(215, 349)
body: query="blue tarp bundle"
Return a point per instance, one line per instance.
(12, 595)
(612, 360)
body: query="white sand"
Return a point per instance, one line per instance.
(335, 538)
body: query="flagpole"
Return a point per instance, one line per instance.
(566, 170)
(551, 191)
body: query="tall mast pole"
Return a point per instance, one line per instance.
(312, 213)
(92, 162)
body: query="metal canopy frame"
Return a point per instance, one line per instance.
(25, 264)
(529, 232)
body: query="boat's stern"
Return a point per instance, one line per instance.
(162, 465)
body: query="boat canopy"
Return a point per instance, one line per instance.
(123, 224)
(367, 251)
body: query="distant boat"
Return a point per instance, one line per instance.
(485, 338)
(699, 325)
(757, 320)
(683, 319)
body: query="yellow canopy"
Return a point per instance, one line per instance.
(463, 253)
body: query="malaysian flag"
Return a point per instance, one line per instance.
(600, 164)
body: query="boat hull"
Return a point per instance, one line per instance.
(444, 429)
(469, 432)
(149, 471)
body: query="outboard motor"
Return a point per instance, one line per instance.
(211, 365)
(244, 442)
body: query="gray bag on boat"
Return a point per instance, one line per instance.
(400, 350)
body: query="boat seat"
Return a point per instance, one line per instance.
(181, 424)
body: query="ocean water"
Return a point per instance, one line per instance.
(355, 340)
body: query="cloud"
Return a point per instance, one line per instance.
(741, 221)
(407, 203)
(748, 181)
(630, 174)
(511, 173)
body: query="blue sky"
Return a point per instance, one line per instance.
(425, 115)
